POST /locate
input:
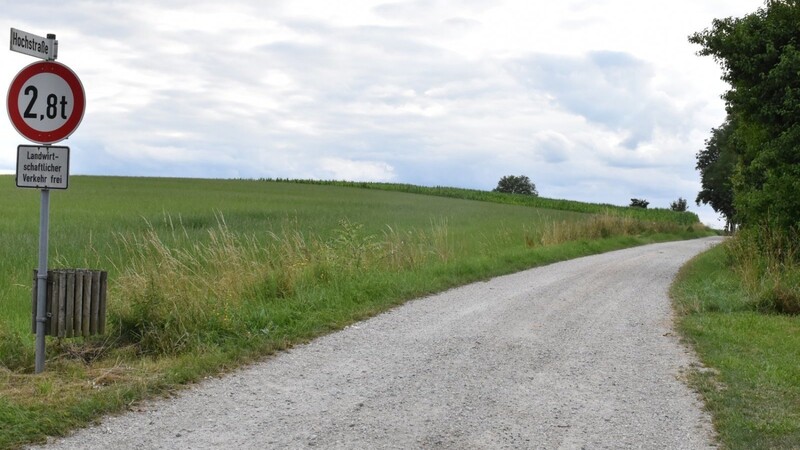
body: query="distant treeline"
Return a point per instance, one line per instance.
(656, 214)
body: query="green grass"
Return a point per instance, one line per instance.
(205, 275)
(752, 386)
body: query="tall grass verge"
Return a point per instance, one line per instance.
(768, 262)
(750, 379)
(603, 226)
(175, 296)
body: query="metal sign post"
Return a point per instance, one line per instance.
(43, 167)
(41, 280)
(45, 103)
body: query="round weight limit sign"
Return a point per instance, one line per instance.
(46, 102)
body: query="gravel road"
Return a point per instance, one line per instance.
(579, 354)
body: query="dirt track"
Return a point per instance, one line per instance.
(578, 354)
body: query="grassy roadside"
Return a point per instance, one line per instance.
(752, 381)
(210, 274)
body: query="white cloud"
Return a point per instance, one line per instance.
(349, 170)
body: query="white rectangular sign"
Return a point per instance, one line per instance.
(43, 167)
(33, 45)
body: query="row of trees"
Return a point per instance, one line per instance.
(513, 184)
(679, 205)
(750, 166)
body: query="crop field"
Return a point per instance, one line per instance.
(655, 214)
(90, 220)
(208, 274)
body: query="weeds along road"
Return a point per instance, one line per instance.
(578, 354)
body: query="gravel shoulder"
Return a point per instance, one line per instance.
(579, 354)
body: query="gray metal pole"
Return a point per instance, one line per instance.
(41, 276)
(41, 279)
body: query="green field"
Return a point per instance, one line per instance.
(657, 214)
(88, 219)
(208, 274)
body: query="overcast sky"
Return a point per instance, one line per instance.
(594, 100)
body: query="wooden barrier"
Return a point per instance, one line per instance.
(76, 302)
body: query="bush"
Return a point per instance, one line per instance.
(679, 205)
(639, 203)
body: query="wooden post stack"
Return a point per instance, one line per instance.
(76, 302)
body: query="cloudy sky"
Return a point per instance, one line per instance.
(594, 100)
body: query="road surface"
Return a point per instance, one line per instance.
(579, 354)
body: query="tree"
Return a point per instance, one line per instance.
(716, 164)
(679, 205)
(760, 57)
(512, 184)
(639, 203)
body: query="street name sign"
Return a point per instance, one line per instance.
(33, 45)
(42, 167)
(46, 102)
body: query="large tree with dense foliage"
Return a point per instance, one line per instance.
(512, 184)
(760, 57)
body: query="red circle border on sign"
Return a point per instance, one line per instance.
(78, 96)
